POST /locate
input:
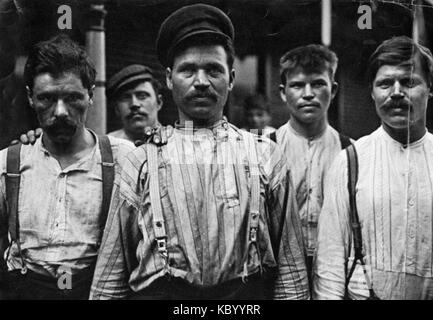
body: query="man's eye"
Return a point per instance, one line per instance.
(142, 96)
(214, 72)
(46, 99)
(73, 97)
(384, 84)
(318, 84)
(295, 85)
(410, 83)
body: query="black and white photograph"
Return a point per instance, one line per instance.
(240, 151)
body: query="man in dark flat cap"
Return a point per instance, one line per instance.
(136, 97)
(211, 214)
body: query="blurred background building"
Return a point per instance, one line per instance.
(121, 32)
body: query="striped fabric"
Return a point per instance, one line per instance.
(309, 161)
(395, 204)
(204, 188)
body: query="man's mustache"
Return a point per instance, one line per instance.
(137, 113)
(202, 94)
(63, 124)
(404, 104)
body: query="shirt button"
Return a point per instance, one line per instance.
(411, 202)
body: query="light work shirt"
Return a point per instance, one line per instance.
(309, 160)
(58, 209)
(394, 196)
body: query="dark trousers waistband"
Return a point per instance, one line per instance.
(172, 288)
(34, 286)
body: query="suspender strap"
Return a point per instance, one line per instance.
(344, 141)
(155, 199)
(352, 167)
(254, 213)
(13, 178)
(107, 177)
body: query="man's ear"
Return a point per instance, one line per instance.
(91, 92)
(282, 92)
(168, 78)
(232, 79)
(29, 96)
(334, 89)
(159, 101)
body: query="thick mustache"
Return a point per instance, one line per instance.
(61, 123)
(397, 104)
(194, 95)
(133, 114)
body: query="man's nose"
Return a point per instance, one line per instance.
(397, 92)
(308, 92)
(60, 109)
(201, 79)
(135, 102)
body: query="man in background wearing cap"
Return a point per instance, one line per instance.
(211, 214)
(136, 96)
(257, 116)
(309, 143)
(393, 192)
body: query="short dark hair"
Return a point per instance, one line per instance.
(56, 56)
(256, 101)
(310, 58)
(205, 40)
(400, 51)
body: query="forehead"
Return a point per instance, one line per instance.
(142, 86)
(202, 55)
(386, 71)
(63, 82)
(299, 74)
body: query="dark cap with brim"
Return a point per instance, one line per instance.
(188, 22)
(126, 76)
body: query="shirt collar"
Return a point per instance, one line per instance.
(83, 164)
(317, 137)
(411, 145)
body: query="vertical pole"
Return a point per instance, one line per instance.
(418, 24)
(95, 46)
(326, 22)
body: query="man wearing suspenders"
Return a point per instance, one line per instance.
(211, 214)
(55, 194)
(310, 144)
(376, 226)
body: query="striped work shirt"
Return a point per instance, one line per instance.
(58, 209)
(204, 189)
(309, 160)
(394, 196)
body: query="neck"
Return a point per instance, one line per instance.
(82, 140)
(405, 136)
(199, 122)
(309, 130)
(139, 133)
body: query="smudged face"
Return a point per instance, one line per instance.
(61, 105)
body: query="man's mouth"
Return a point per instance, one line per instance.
(309, 105)
(137, 116)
